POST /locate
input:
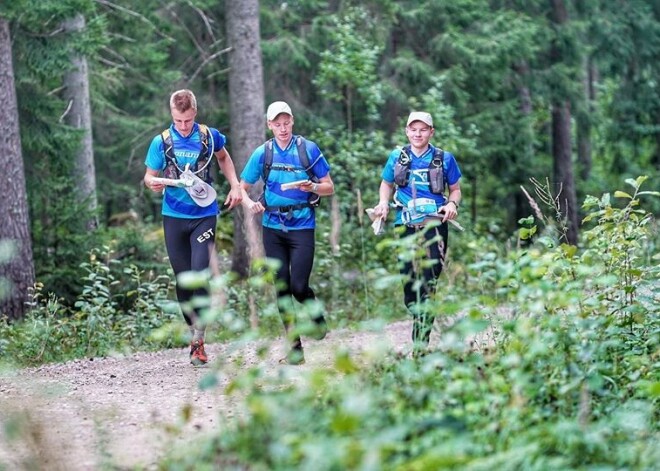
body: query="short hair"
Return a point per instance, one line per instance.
(183, 100)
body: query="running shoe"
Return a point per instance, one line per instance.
(197, 354)
(295, 355)
(320, 328)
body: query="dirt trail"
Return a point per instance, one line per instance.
(125, 412)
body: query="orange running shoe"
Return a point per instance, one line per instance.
(197, 354)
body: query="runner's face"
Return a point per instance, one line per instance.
(183, 121)
(419, 134)
(282, 128)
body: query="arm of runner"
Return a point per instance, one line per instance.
(254, 207)
(150, 181)
(450, 208)
(324, 187)
(382, 209)
(226, 165)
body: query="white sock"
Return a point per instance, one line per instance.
(198, 334)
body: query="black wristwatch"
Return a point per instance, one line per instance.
(452, 201)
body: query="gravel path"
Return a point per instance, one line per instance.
(126, 412)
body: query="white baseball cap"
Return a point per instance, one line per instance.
(422, 116)
(277, 108)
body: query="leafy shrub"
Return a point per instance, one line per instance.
(111, 314)
(548, 362)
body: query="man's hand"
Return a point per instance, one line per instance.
(255, 207)
(448, 211)
(234, 197)
(154, 184)
(382, 209)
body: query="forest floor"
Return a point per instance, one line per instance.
(127, 412)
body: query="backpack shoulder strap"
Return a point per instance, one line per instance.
(268, 158)
(405, 155)
(436, 172)
(402, 166)
(438, 157)
(439, 160)
(204, 138)
(304, 158)
(168, 146)
(314, 198)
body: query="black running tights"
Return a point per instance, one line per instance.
(189, 243)
(295, 252)
(421, 279)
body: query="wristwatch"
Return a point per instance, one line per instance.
(315, 187)
(452, 201)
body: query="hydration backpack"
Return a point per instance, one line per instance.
(436, 170)
(201, 165)
(314, 199)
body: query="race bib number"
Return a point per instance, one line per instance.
(418, 209)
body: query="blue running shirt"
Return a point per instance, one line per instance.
(176, 201)
(286, 168)
(419, 173)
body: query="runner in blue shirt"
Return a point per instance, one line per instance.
(291, 192)
(421, 175)
(183, 154)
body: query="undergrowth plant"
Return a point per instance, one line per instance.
(120, 308)
(550, 362)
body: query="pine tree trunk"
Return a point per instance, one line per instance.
(79, 115)
(563, 168)
(526, 137)
(584, 122)
(15, 227)
(246, 106)
(561, 139)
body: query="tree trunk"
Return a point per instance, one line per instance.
(561, 139)
(348, 103)
(655, 157)
(79, 115)
(247, 123)
(15, 227)
(563, 168)
(584, 122)
(526, 140)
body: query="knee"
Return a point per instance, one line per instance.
(300, 292)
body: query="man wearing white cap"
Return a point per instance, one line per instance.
(295, 175)
(183, 154)
(428, 193)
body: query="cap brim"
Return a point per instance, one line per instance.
(420, 120)
(201, 192)
(272, 117)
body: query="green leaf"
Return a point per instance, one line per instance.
(622, 194)
(654, 389)
(527, 232)
(569, 250)
(640, 180)
(632, 183)
(344, 363)
(193, 279)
